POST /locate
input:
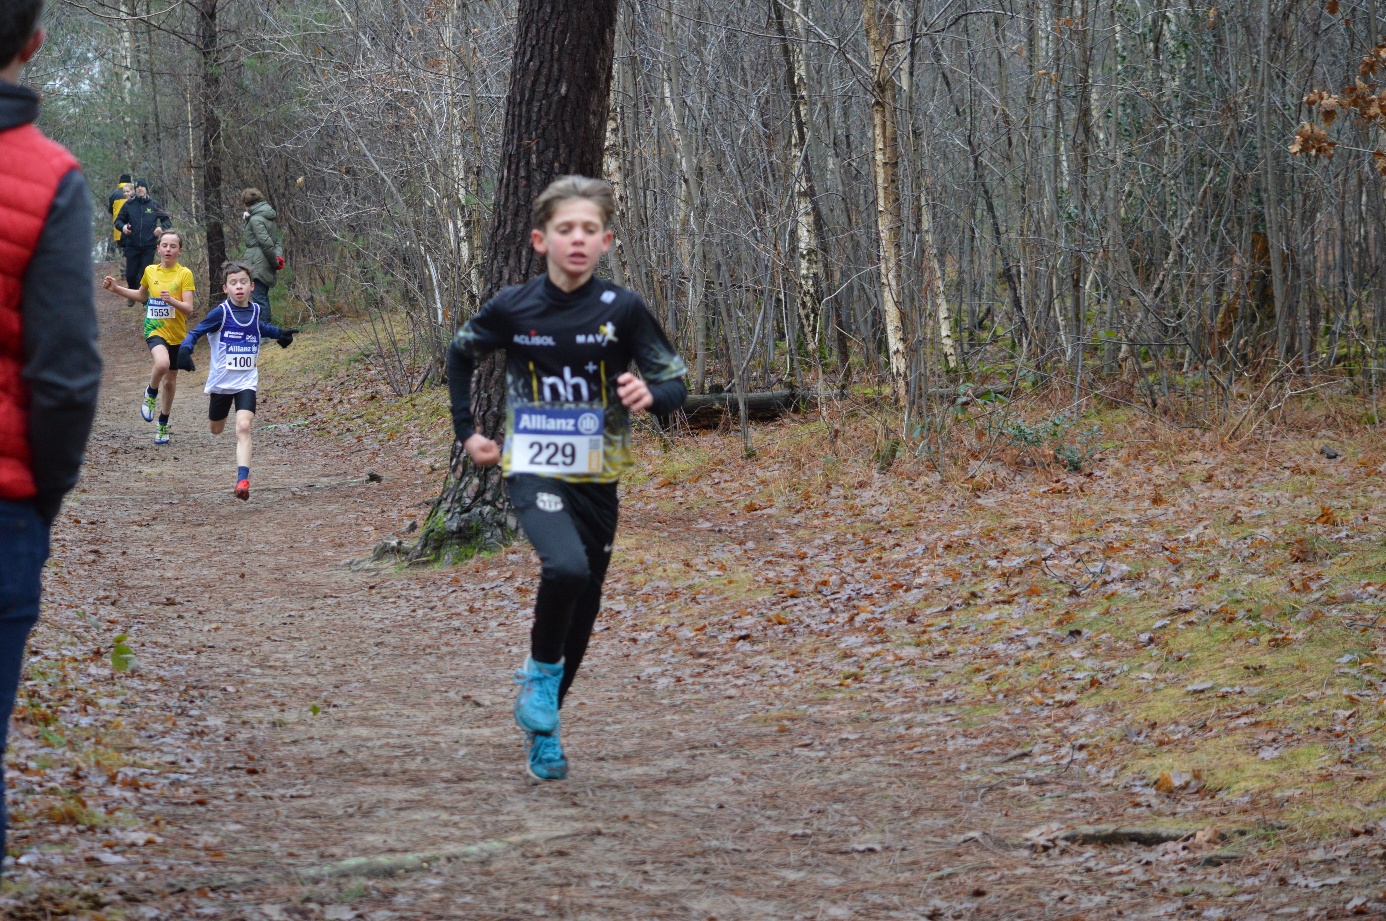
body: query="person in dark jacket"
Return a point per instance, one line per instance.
(50, 366)
(141, 222)
(261, 250)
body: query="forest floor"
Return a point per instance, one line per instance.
(819, 690)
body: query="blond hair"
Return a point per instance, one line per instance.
(564, 188)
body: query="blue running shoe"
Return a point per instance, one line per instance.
(545, 754)
(147, 407)
(161, 436)
(536, 706)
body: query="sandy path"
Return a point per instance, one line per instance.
(692, 801)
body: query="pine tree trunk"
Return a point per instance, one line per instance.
(555, 125)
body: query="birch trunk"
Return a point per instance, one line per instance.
(807, 237)
(885, 169)
(691, 247)
(1271, 146)
(933, 284)
(612, 168)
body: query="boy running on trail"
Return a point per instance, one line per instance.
(235, 330)
(167, 292)
(568, 338)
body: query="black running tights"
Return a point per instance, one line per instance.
(572, 526)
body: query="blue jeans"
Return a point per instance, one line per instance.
(24, 550)
(260, 294)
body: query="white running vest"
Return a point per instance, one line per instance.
(235, 353)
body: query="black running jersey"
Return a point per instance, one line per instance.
(564, 352)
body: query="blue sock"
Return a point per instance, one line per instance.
(151, 391)
(163, 418)
(242, 473)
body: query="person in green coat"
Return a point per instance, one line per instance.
(261, 250)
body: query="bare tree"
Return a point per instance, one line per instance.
(555, 125)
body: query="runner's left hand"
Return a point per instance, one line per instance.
(633, 392)
(287, 339)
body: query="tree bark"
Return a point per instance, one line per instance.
(210, 100)
(555, 125)
(885, 169)
(807, 234)
(690, 203)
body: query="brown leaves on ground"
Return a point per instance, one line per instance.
(866, 679)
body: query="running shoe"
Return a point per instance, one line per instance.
(162, 437)
(544, 754)
(536, 706)
(243, 490)
(147, 407)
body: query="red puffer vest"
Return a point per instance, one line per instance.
(33, 168)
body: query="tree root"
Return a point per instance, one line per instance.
(1117, 834)
(392, 864)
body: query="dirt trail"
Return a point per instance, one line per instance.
(686, 799)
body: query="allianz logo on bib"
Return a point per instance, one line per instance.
(533, 338)
(580, 423)
(542, 422)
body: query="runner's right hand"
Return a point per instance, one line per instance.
(185, 361)
(484, 451)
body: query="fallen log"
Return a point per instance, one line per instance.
(706, 407)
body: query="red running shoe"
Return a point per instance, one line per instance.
(243, 490)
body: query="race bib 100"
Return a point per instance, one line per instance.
(156, 308)
(550, 442)
(241, 360)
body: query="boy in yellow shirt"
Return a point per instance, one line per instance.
(165, 323)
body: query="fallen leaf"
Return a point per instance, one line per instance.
(1205, 836)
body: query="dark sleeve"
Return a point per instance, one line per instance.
(161, 218)
(660, 366)
(121, 219)
(62, 362)
(461, 364)
(481, 335)
(210, 324)
(270, 331)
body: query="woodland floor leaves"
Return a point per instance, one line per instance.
(819, 689)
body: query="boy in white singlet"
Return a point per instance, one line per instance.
(235, 331)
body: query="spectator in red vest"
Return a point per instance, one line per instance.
(50, 366)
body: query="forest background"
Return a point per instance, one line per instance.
(982, 233)
(931, 201)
